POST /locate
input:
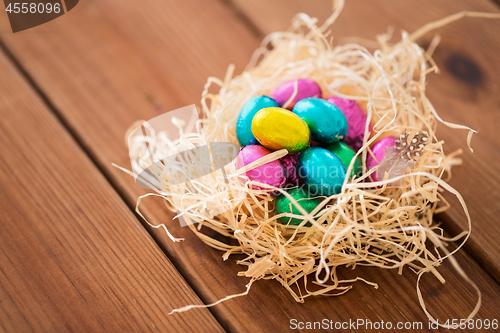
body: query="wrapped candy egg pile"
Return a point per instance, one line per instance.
(294, 116)
(340, 163)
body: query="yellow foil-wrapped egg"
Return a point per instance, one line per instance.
(277, 128)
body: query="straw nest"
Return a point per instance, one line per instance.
(388, 224)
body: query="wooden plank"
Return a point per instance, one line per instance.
(124, 61)
(466, 92)
(72, 255)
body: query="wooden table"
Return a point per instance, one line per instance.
(75, 257)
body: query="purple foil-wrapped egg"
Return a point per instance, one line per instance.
(271, 173)
(305, 88)
(356, 120)
(289, 163)
(379, 151)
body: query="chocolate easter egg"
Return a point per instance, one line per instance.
(379, 151)
(321, 171)
(271, 173)
(285, 205)
(356, 120)
(345, 155)
(289, 163)
(326, 122)
(305, 88)
(244, 124)
(277, 128)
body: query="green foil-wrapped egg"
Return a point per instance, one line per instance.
(277, 128)
(345, 155)
(284, 205)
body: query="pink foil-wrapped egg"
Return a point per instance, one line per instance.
(379, 151)
(305, 88)
(289, 163)
(271, 173)
(356, 120)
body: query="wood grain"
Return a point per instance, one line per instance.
(125, 61)
(72, 255)
(465, 92)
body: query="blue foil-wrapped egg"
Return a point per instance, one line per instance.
(244, 124)
(321, 171)
(326, 122)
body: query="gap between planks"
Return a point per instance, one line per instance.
(50, 106)
(64, 251)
